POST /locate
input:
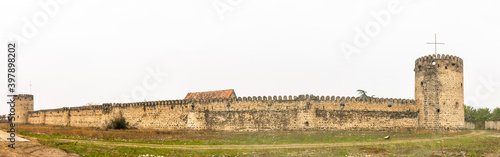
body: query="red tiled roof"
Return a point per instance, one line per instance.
(210, 94)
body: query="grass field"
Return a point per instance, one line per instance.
(92, 142)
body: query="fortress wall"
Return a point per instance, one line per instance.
(86, 116)
(245, 114)
(492, 125)
(470, 125)
(158, 115)
(56, 116)
(36, 117)
(318, 113)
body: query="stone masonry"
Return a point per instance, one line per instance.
(23, 104)
(439, 92)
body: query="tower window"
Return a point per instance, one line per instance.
(433, 63)
(422, 84)
(438, 110)
(445, 67)
(453, 64)
(307, 123)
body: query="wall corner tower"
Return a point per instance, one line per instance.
(24, 104)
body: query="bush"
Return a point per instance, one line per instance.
(118, 123)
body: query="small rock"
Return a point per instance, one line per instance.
(387, 137)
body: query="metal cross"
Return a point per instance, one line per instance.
(435, 44)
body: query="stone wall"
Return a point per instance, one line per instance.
(36, 117)
(56, 117)
(470, 125)
(86, 116)
(244, 114)
(492, 125)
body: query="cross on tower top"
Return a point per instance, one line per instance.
(435, 44)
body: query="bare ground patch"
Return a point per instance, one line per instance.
(31, 148)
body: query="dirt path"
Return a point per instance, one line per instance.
(5, 135)
(28, 148)
(266, 146)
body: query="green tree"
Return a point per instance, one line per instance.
(483, 114)
(362, 94)
(495, 115)
(469, 113)
(478, 116)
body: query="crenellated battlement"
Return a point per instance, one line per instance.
(92, 107)
(320, 98)
(439, 61)
(267, 99)
(152, 103)
(52, 110)
(27, 97)
(430, 58)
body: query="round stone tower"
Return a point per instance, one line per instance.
(439, 92)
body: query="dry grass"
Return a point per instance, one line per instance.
(477, 145)
(220, 137)
(367, 150)
(94, 133)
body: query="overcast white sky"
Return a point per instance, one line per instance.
(98, 51)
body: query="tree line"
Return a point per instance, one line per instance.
(480, 115)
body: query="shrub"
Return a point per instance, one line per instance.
(118, 123)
